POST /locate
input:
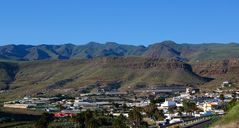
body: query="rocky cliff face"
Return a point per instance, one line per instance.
(144, 63)
(217, 68)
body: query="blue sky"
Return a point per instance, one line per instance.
(138, 22)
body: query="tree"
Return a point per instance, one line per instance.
(221, 97)
(159, 115)
(119, 122)
(88, 119)
(150, 110)
(84, 119)
(189, 106)
(88, 115)
(158, 100)
(230, 104)
(124, 107)
(98, 113)
(234, 95)
(171, 110)
(135, 117)
(44, 120)
(80, 118)
(92, 123)
(180, 110)
(60, 107)
(115, 105)
(144, 125)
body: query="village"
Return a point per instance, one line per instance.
(176, 105)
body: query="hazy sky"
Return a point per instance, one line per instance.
(123, 21)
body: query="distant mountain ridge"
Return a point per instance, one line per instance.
(166, 49)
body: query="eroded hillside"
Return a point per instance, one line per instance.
(221, 70)
(111, 73)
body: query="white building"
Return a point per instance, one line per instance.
(139, 104)
(168, 104)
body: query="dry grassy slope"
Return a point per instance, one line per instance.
(36, 76)
(221, 70)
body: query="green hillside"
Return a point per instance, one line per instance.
(213, 51)
(230, 120)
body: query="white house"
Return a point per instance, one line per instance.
(168, 104)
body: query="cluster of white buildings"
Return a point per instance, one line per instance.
(207, 103)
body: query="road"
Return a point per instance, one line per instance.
(202, 124)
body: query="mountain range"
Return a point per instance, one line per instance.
(165, 49)
(70, 69)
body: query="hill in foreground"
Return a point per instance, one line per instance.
(230, 120)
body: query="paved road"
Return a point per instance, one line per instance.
(201, 124)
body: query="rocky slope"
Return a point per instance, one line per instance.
(162, 50)
(220, 70)
(7, 74)
(109, 73)
(114, 66)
